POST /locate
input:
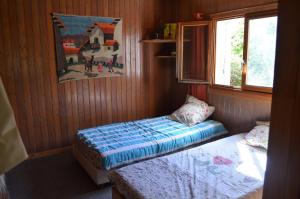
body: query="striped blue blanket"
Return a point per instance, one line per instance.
(122, 143)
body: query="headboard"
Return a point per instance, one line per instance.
(238, 111)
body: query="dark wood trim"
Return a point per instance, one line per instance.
(242, 12)
(159, 41)
(254, 88)
(282, 172)
(248, 17)
(179, 49)
(241, 93)
(50, 152)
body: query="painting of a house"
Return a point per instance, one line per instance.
(88, 47)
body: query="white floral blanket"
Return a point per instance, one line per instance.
(226, 168)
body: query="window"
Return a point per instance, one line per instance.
(261, 51)
(245, 52)
(229, 52)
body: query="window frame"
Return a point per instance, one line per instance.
(248, 17)
(247, 14)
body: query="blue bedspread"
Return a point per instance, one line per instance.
(122, 143)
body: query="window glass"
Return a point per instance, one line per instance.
(261, 51)
(229, 52)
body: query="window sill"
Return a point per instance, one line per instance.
(240, 93)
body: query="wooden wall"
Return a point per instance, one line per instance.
(187, 8)
(162, 77)
(48, 114)
(283, 165)
(239, 111)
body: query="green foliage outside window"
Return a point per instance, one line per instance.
(237, 44)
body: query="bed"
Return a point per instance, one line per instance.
(103, 148)
(227, 168)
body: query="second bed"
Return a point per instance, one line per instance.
(227, 168)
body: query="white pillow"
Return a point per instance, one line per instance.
(211, 110)
(192, 99)
(258, 137)
(192, 112)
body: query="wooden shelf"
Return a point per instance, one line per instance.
(165, 56)
(159, 41)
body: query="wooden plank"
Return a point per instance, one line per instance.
(158, 41)
(138, 74)
(91, 82)
(95, 91)
(283, 163)
(132, 19)
(46, 100)
(187, 8)
(40, 52)
(64, 95)
(92, 102)
(79, 83)
(47, 153)
(118, 79)
(53, 78)
(124, 79)
(73, 8)
(102, 82)
(16, 70)
(24, 73)
(107, 79)
(50, 91)
(85, 83)
(128, 60)
(66, 6)
(113, 81)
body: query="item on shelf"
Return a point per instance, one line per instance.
(198, 16)
(155, 35)
(170, 31)
(173, 53)
(158, 33)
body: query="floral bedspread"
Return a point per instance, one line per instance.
(227, 168)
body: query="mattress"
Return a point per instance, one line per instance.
(227, 168)
(114, 145)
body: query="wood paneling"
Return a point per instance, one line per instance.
(48, 114)
(282, 174)
(238, 110)
(165, 93)
(187, 8)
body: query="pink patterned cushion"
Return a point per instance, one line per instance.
(192, 112)
(258, 137)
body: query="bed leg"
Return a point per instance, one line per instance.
(116, 194)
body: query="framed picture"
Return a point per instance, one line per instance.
(87, 47)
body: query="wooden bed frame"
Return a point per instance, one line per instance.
(99, 176)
